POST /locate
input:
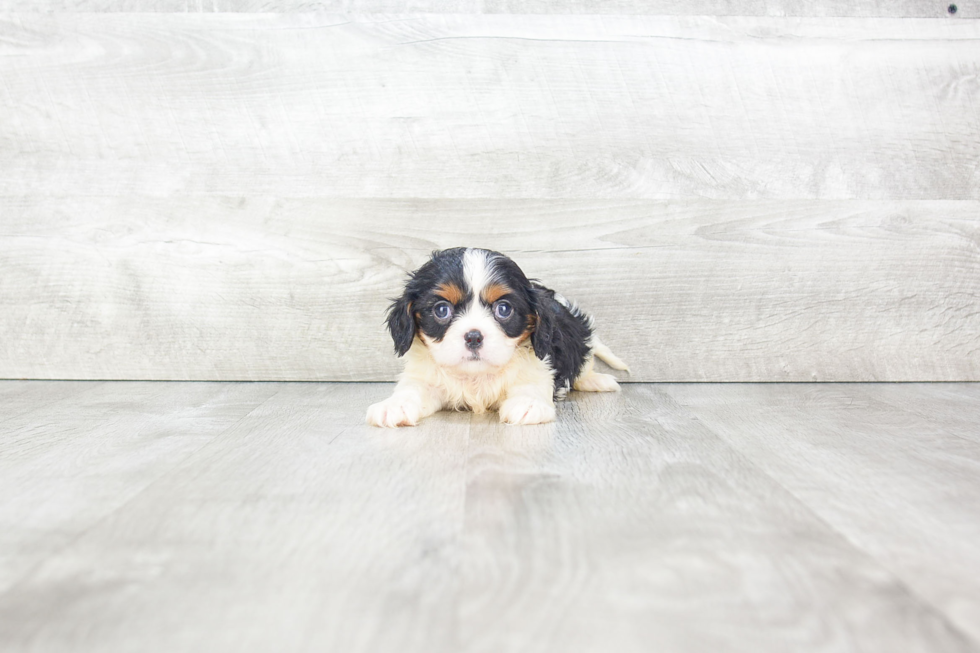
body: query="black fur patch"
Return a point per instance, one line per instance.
(413, 310)
(505, 272)
(562, 334)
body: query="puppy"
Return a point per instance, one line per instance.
(477, 334)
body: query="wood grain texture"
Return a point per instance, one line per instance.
(745, 198)
(298, 528)
(898, 482)
(450, 106)
(296, 289)
(69, 462)
(886, 8)
(956, 405)
(19, 397)
(256, 517)
(630, 525)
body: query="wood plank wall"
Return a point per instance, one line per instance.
(739, 191)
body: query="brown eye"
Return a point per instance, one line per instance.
(502, 310)
(442, 311)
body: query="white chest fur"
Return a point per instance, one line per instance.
(482, 391)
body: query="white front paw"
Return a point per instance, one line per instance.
(394, 411)
(527, 410)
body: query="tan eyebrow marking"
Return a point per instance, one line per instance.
(493, 292)
(450, 292)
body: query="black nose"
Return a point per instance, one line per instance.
(474, 339)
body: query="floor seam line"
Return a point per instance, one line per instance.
(820, 518)
(78, 536)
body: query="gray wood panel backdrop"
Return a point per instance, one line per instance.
(739, 191)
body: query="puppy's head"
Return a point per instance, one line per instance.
(470, 307)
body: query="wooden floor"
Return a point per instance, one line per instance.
(267, 517)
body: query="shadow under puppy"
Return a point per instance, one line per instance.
(477, 334)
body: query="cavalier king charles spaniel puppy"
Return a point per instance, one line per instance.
(477, 334)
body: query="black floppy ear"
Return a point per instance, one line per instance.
(545, 322)
(401, 324)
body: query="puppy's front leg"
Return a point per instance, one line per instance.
(411, 401)
(528, 404)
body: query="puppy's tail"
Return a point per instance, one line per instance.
(604, 353)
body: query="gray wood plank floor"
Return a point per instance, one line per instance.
(266, 516)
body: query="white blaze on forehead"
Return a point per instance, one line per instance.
(477, 272)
